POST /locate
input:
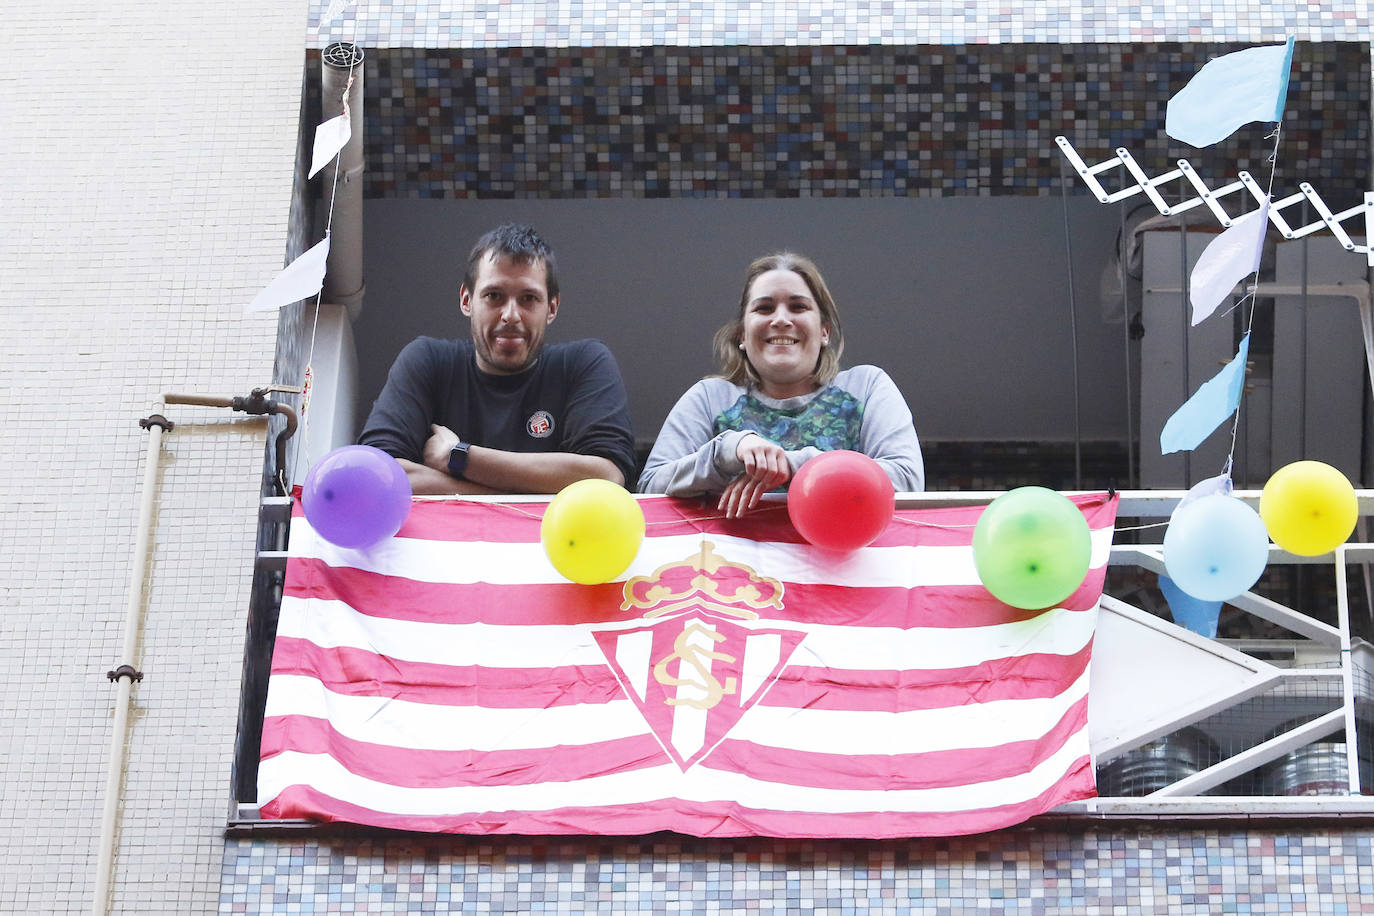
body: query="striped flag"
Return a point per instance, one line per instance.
(735, 681)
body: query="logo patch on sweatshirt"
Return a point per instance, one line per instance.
(540, 424)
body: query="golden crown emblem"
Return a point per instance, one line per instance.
(704, 580)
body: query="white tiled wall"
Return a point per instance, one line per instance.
(694, 23)
(147, 153)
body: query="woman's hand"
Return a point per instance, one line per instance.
(764, 461)
(765, 468)
(740, 495)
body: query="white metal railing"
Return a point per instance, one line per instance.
(1288, 702)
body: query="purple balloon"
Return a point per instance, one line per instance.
(356, 496)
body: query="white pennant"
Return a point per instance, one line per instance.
(335, 8)
(1219, 484)
(1228, 259)
(300, 279)
(330, 137)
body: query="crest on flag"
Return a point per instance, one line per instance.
(696, 670)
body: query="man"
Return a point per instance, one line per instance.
(502, 413)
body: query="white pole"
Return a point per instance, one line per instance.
(125, 674)
(1352, 741)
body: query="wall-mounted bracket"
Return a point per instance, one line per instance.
(1138, 182)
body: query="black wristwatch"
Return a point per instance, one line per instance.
(458, 459)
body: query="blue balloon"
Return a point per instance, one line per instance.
(356, 496)
(1215, 547)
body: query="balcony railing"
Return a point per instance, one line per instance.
(1276, 718)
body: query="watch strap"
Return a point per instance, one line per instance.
(458, 460)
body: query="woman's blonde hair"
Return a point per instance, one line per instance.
(735, 365)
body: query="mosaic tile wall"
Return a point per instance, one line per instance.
(920, 120)
(586, 23)
(1024, 872)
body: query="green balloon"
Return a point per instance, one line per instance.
(1032, 548)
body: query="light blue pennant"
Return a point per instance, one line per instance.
(1194, 613)
(1208, 408)
(1228, 92)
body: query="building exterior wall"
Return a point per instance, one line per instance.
(597, 23)
(149, 153)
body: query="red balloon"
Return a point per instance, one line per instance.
(841, 500)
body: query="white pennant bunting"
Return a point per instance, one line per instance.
(1210, 406)
(1230, 91)
(1228, 259)
(335, 8)
(330, 137)
(300, 279)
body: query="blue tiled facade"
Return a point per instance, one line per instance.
(1022, 872)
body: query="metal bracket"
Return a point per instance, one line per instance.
(1137, 182)
(128, 671)
(157, 419)
(257, 403)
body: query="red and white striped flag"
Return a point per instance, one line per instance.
(736, 681)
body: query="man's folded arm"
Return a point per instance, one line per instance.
(535, 472)
(494, 470)
(426, 481)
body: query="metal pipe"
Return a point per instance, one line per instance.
(257, 403)
(197, 400)
(1352, 740)
(1073, 332)
(126, 673)
(1123, 266)
(1188, 480)
(1302, 345)
(341, 76)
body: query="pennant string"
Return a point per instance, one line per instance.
(319, 296)
(717, 516)
(1140, 527)
(713, 517)
(1249, 295)
(351, 27)
(1252, 294)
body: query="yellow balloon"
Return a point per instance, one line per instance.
(1309, 508)
(592, 530)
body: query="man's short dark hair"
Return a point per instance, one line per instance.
(521, 244)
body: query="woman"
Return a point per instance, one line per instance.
(780, 399)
